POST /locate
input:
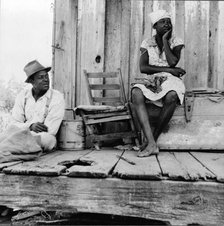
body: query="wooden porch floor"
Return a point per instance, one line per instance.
(177, 187)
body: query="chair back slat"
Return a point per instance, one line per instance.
(107, 99)
(98, 83)
(102, 75)
(106, 87)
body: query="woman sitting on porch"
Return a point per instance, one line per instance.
(162, 84)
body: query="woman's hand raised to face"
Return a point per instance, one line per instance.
(167, 35)
(177, 71)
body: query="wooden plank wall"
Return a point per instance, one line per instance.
(91, 32)
(64, 49)
(112, 31)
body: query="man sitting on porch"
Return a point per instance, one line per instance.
(162, 84)
(40, 108)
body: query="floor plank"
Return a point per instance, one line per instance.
(101, 163)
(144, 168)
(213, 161)
(171, 168)
(195, 169)
(180, 203)
(47, 165)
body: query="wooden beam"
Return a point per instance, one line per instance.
(180, 203)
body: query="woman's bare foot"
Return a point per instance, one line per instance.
(143, 146)
(150, 149)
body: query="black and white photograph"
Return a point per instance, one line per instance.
(111, 112)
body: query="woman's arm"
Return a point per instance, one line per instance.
(172, 56)
(152, 69)
(146, 68)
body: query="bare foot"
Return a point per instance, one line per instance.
(150, 149)
(143, 146)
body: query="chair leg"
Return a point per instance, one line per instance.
(90, 131)
(94, 143)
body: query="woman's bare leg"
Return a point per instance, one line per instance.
(169, 105)
(138, 101)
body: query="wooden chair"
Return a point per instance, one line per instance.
(106, 108)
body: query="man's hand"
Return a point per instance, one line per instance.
(167, 35)
(177, 71)
(38, 127)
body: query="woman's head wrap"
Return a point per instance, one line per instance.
(158, 15)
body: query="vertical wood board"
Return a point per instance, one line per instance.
(91, 43)
(64, 49)
(125, 44)
(136, 37)
(213, 43)
(196, 38)
(147, 25)
(113, 40)
(220, 57)
(179, 27)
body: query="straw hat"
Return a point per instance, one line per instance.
(34, 67)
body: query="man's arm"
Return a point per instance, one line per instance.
(55, 113)
(146, 68)
(18, 114)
